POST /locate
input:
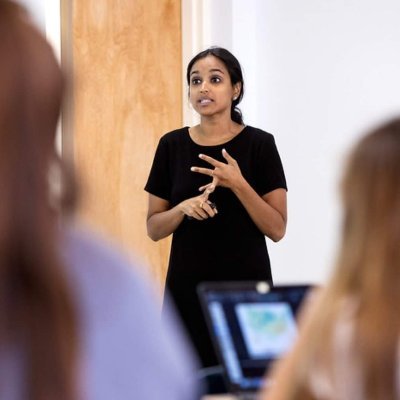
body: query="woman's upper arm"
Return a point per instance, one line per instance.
(277, 199)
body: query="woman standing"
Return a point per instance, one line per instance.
(219, 187)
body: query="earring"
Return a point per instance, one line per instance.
(235, 98)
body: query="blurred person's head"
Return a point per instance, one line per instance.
(36, 311)
(371, 202)
(364, 289)
(369, 261)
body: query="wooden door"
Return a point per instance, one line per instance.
(125, 60)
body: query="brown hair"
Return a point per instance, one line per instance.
(36, 309)
(367, 271)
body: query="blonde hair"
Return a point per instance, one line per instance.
(367, 270)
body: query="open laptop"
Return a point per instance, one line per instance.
(251, 324)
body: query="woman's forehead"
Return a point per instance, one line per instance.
(208, 64)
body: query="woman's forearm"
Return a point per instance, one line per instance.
(269, 220)
(162, 224)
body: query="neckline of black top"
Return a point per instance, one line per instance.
(215, 145)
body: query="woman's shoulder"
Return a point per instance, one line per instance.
(176, 135)
(259, 134)
(259, 138)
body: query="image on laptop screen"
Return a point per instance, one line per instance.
(251, 324)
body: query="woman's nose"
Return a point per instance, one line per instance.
(203, 88)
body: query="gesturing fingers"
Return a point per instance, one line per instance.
(209, 188)
(210, 208)
(225, 173)
(199, 208)
(228, 158)
(210, 160)
(205, 171)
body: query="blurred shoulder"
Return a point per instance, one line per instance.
(124, 337)
(96, 264)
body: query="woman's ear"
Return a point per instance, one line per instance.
(236, 90)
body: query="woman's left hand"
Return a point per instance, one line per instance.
(224, 174)
(268, 212)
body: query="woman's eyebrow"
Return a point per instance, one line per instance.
(211, 70)
(217, 70)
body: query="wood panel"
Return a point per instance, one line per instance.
(127, 93)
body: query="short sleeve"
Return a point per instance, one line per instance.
(271, 175)
(159, 180)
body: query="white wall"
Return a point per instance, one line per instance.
(47, 17)
(37, 10)
(318, 73)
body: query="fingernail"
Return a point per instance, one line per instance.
(192, 168)
(200, 155)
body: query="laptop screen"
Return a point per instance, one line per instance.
(251, 324)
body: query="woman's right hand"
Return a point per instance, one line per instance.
(198, 207)
(162, 220)
(210, 187)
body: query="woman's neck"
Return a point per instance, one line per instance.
(214, 132)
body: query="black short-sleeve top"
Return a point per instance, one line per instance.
(228, 246)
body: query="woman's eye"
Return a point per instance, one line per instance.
(196, 81)
(215, 79)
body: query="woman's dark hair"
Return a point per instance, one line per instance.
(37, 314)
(235, 72)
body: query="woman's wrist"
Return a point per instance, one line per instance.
(240, 186)
(180, 209)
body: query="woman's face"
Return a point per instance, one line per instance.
(210, 89)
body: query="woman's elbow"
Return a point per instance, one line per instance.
(153, 236)
(152, 233)
(276, 238)
(277, 234)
